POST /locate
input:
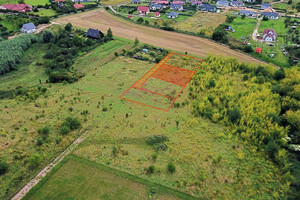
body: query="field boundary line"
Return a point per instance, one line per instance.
(40, 175)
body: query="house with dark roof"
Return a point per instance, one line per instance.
(176, 7)
(237, 4)
(222, 3)
(165, 3)
(247, 13)
(136, 1)
(155, 6)
(94, 33)
(269, 35)
(265, 6)
(208, 7)
(172, 15)
(28, 28)
(143, 10)
(250, 1)
(271, 15)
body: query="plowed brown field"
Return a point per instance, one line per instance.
(103, 20)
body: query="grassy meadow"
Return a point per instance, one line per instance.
(46, 13)
(209, 162)
(243, 27)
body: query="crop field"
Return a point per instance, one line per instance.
(82, 180)
(206, 22)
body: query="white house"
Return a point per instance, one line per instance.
(28, 28)
(269, 35)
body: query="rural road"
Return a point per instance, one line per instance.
(102, 20)
(254, 34)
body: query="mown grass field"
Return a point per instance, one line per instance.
(114, 2)
(81, 180)
(30, 2)
(45, 13)
(243, 27)
(206, 22)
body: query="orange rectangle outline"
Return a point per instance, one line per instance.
(183, 87)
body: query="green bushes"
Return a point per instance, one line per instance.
(47, 36)
(156, 139)
(70, 124)
(44, 130)
(3, 167)
(34, 160)
(171, 168)
(11, 51)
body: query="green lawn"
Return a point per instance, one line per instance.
(37, 2)
(243, 27)
(45, 12)
(277, 25)
(81, 180)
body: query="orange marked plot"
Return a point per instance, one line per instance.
(161, 86)
(173, 75)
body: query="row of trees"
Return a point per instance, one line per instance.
(11, 51)
(260, 104)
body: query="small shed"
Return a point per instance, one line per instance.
(156, 14)
(258, 50)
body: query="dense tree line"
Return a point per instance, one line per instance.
(11, 51)
(259, 104)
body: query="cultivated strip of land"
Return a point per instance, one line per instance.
(103, 20)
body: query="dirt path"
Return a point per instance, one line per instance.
(48, 168)
(103, 20)
(256, 30)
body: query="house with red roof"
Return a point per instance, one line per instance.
(162, 2)
(143, 10)
(18, 7)
(178, 2)
(156, 14)
(78, 6)
(269, 35)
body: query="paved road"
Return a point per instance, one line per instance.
(103, 20)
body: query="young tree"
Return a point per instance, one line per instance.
(136, 41)
(243, 16)
(47, 36)
(68, 27)
(109, 34)
(140, 20)
(3, 168)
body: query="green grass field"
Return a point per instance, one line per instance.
(81, 180)
(243, 27)
(30, 2)
(45, 13)
(209, 162)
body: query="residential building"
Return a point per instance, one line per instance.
(78, 6)
(172, 15)
(155, 6)
(143, 10)
(247, 13)
(94, 34)
(222, 3)
(18, 7)
(208, 7)
(265, 6)
(28, 28)
(237, 4)
(176, 7)
(136, 1)
(269, 35)
(271, 15)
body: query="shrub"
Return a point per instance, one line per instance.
(68, 27)
(72, 122)
(116, 54)
(151, 169)
(39, 142)
(34, 160)
(140, 20)
(156, 139)
(47, 36)
(154, 156)
(248, 49)
(171, 168)
(211, 83)
(44, 130)
(279, 74)
(3, 167)
(64, 130)
(234, 115)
